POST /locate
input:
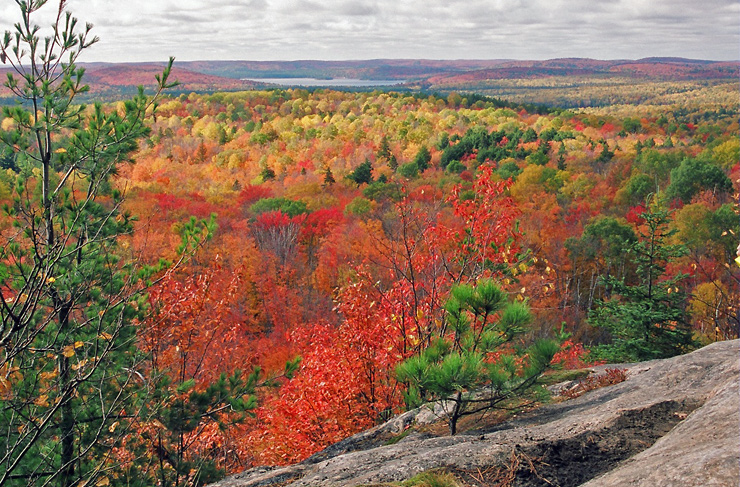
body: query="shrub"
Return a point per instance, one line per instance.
(608, 378)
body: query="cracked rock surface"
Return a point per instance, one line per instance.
(672, 422)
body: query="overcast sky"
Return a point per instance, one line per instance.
(153, 30)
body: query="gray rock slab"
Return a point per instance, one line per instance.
(672, 422)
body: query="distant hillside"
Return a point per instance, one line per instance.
(438, 71)
(550, 82)
(665, 69)
(398, 69)
(105, 77)
(108, 81)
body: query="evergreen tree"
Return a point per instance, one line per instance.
(606, 154)
(363, 174)
(384, 151)
(422, 159)
(647, 318)
(458, 367)
(444, 141)
(695, 175)
(267, 173)
(328, 177)
(561, 157)
(67, 297)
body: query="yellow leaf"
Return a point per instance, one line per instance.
(8, 124)
(78, 365)
(51, 280)
(42, 401)
(105, 336)
(49, 375)
(68, 351)
(102, 482)
(79, 344)
(60, 150)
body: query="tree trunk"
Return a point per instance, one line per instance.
(455, 413)
(67, 420)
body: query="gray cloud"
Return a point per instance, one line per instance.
(141, 30)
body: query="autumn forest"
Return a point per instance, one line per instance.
(272, 267)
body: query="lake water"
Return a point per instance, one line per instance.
(314, 82)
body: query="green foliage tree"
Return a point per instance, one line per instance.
(67, 298)
(600, 251)
(328, 177)
(529, 136)
(604, 238)
(606, 153)
(647, 318)
(267, 173)
(631, 125)
(694, 175)
(384, 151)
(657, 164)
(363, 174)
(509, 170)
(289, 207)
(181, 412)
(538, 158)
(638, 188)
(422, 159)
(444, 141)
(561, 157)
(471, 364)
(410, 170)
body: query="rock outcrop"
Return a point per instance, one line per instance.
(672, 422)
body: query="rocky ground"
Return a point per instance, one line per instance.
(673, 422)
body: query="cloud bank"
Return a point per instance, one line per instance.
(152, 30)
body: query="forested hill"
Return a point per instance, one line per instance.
(435, 71)
(568, 82)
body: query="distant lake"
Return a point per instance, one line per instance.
(350, 82)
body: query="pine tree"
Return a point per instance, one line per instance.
(363, 174)
(67, 297)
(328, 177)
(561, 157)
(458, 368)
(422, 159)
(647, 318)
